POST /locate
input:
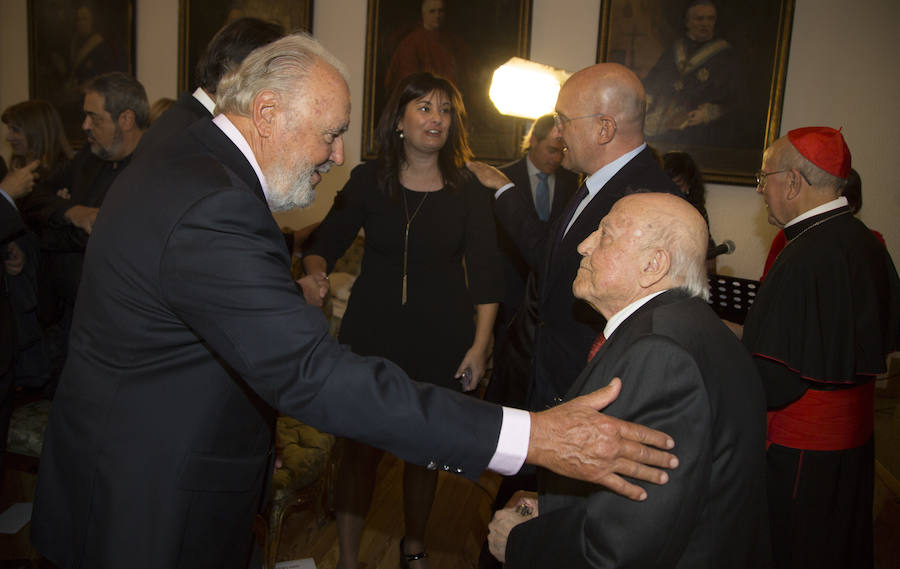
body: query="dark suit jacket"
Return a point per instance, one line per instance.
(683, 372)
(515, 268)
(186, 111)
(567, 325)
(188, 334)
(11, 225)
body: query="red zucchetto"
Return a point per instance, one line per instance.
(824, 147)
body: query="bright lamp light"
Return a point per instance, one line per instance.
(526, 89)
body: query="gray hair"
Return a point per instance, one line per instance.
(789, 157)
(282, 66)
(121, 92)
(686, 247)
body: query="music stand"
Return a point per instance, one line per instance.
(732, 297)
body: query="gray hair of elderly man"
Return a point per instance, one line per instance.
(686, 243)
(282, 66)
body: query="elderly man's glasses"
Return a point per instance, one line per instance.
(561, 121)
(761, 177)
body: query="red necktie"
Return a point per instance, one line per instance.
(596, 346)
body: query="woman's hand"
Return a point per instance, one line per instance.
(475, 360)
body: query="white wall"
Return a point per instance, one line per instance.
(841, 72)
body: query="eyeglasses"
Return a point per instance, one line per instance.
(761, 177)
(561, 120)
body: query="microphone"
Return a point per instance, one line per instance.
(724, 248)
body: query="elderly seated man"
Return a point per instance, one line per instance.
(682, 371)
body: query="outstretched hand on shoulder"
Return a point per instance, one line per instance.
(574, 439)
(489, 176)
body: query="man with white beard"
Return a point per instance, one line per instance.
(189, 337)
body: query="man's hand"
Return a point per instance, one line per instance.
(15, 259)
(82, 216)
(489, 176)
(315, 287)
(525, 508)
(575, 440)
(18, 182)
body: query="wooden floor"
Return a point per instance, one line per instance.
(456, 529)
(459, 519)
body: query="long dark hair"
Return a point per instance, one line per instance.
(45, 137)
(391, 153)
(681, 165)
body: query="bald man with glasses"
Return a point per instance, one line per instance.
(600, 117)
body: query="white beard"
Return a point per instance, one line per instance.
(287, 192)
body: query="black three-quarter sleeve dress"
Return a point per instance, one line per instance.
(452, 240)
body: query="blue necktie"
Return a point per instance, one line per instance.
(542, 197)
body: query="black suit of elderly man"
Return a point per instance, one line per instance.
(190, 335)
(682, 371)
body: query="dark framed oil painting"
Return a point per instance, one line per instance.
(199, 20)
(72, 41)
(714, 72)
(464, 41)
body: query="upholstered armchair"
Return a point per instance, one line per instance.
(302, 480)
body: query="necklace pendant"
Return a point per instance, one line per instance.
(403, 294)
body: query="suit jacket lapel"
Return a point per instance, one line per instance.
(519, 175)
(564, 188)
(668, 297)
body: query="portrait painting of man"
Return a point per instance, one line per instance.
(713, 71)
(462, 41)
(71, 42)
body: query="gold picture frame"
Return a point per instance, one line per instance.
(718, 99)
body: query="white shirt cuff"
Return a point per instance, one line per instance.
(512, 446)
(9, 199)
(503, 189)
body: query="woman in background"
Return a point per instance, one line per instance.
(35, 133)
(431, 263)
(684, 172)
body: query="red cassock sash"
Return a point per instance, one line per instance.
(825, 420)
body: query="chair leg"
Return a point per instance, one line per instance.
(273, 534)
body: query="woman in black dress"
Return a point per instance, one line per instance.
(429, 285)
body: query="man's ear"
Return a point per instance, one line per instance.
(794, 185)
(264, 112)
(126, 120)
(656, 263)
(607, 131)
